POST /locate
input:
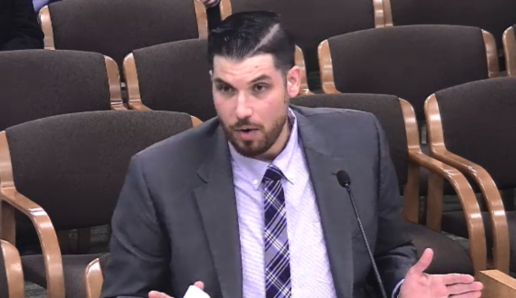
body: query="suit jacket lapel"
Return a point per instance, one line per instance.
(333, 202)
(217, 205)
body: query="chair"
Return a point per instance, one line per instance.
(399, 123)
(509, 45)
(11, 274)
(310, 22)
(471, 127)
(117, 27)
(94, 278)
(175, 77)
(38, 83)
(73, 181)
(493, 16)
(408, 61)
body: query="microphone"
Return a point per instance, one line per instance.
(345, 181)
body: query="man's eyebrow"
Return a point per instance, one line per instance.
(261, 78)
(220, 81)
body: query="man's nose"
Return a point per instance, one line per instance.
(243, 109)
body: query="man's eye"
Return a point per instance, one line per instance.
(260, 87)
(224, 89)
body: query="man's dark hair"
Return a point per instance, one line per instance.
(246, 34)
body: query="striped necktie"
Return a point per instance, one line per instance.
(277, 255)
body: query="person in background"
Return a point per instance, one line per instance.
(39, 4)
(212, 12)
(19, 28)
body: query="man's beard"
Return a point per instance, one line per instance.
(257, 147)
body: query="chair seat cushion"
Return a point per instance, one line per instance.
(455, 223)
(449, 256)
(74, 267)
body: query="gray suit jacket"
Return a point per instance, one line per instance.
(176, 219)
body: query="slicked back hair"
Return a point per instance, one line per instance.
(247, 34)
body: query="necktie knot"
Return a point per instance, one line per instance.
(273, 173)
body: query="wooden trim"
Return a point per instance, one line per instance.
(300, 62)
(387, 10)
(225, 9)
(40, 220)
(195, 121)
(379, 14)
(93, 279)
(202, 19)
(45, 22)
(133, 86)
(497, 284)
(509, 46)
(437, 146)
(13, 268)
(326, 68)
(439, 171)
(492, 54)
(115, 91)
(411, 191)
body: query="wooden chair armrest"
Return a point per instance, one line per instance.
(14, 272)
(330, 89)
(138, 106)
(497, 284)
(491, 194)
(118, 106)
(304, 92)
(468, 200)
(93, 279)
(47, 237)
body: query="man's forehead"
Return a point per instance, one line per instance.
(262, 63)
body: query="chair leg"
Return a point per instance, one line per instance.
(411, 195)
(434, 202)
(8, 224)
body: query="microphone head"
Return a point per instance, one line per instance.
(343, 178)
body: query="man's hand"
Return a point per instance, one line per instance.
(420, 285)
(156, 294)
(209, 3)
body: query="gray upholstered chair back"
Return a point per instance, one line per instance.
(411, 62)
(39, 83)
(175, 77)
(385, 107)
(491, 15)
(117, 27)
(310, 22)
(74, 165)
(479, 124)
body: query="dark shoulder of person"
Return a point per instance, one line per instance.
(19, 28)
(6, 10)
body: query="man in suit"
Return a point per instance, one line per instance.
(248, 205)
(19, 29)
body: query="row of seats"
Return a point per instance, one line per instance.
(74, 179)
(117, 27)
(408, 61)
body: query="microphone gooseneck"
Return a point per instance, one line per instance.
(345, 181)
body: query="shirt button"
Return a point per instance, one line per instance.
(255, 182)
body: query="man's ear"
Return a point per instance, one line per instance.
(211, 74)
(293, 81)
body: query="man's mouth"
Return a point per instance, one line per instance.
(247, 134)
